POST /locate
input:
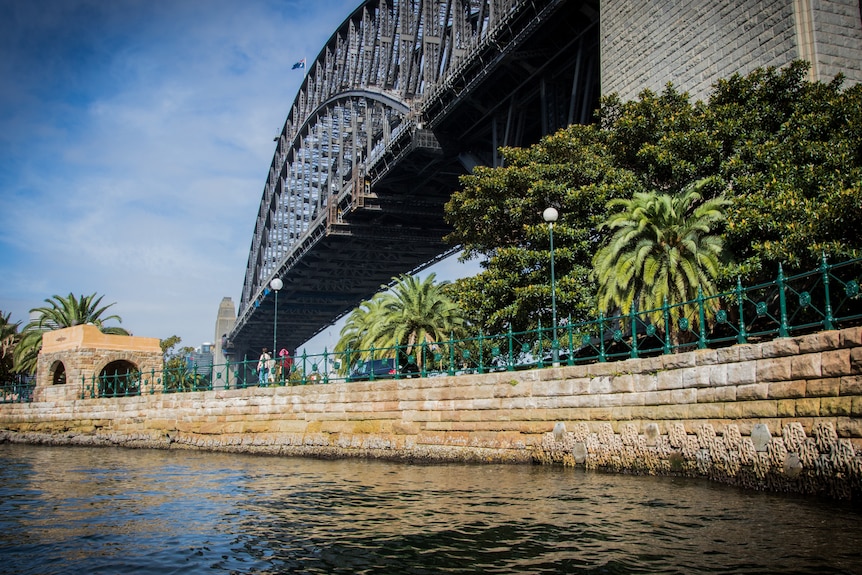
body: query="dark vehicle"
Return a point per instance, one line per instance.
(381, 369)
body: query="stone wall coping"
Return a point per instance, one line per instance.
(90, 336)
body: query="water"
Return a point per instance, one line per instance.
(115, 511)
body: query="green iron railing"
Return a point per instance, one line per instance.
(19, 390)
(822, 299)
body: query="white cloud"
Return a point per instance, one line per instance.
(138, 173)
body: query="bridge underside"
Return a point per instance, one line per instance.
(398, 228)
(545, 77)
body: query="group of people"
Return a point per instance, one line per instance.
(270, 370)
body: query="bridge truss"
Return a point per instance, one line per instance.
(406, 96)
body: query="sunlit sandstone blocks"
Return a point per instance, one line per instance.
(785, 414)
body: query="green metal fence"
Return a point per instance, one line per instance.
(19, 390)
(823, 299)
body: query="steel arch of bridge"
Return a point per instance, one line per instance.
(389, 114)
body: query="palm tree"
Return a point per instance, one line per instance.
(358, 333)
(61, 312)
(8, 339)
(418, 312)
(663, 249)
(413, 312)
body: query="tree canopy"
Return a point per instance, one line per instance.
(784, 153)
(61, 312)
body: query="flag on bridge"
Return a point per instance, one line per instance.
(299, 65)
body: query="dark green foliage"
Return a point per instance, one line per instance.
(793, 158)
(8, 340)
(784, 152)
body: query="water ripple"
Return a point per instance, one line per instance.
(125, 512)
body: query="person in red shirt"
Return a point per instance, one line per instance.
(286, 364)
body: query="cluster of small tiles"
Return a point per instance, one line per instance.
(791, 462)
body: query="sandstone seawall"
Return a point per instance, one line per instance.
(782, 415)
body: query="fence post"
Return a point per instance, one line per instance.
(665, 310)
(511, 363)
(571, 360)
(539, 331)
(325, 368)
(742, 336)
(347, 358)
(481, 353)
(398, 352)
(782, 303)
(633, 320)
(304, 370)
(451, 353)
(701, 318)
(824, 269)
(602, 356)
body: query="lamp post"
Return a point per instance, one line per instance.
(276, 284)
(550, 215)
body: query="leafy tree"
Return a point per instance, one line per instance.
(497, 215)
(61, 312)
(792, 154)
(664, 247)
(789, 152)
(167, 345)
(660, 139)
(8, 339)
(177, 375)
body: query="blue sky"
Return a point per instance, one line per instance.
(135, 139)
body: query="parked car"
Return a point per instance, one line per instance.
(562, 355)
(386, 368)
(520, 361)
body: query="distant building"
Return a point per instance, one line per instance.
(222, 349)
(201, 360)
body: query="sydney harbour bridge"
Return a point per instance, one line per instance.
(406, 96)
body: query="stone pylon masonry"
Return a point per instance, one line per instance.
(648, 43)
(783, 415)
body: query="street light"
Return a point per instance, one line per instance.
(276, 284)
(550, 215)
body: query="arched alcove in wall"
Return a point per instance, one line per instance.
(58, 373)
(118, 378)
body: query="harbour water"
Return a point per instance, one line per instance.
(121, 511)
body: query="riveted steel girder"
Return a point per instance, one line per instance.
(404, 97)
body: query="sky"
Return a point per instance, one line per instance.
(135, 141)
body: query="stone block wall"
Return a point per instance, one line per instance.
(648, 43)
(82, 352)
(837, 33)
(782, 415)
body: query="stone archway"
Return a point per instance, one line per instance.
(82, 362)
(119, 378)
(58, 373)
